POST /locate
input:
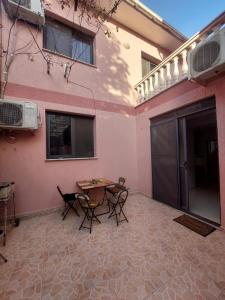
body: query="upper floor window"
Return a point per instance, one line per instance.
(69, 136)
(68, 41)
(147, 64)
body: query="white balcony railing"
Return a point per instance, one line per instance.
(175, 67)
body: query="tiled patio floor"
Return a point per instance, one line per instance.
(151, 257)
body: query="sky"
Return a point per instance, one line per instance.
(187, 16)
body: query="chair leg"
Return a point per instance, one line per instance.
(66, 212)
(113, 210)
(71, 204)
(114, 213)
(117, 222)
(123, 214)
(96, 218)
(117, 213)
(67, 208)
(81, 225)
(109, 206)
(75, 210)
(121, 211)
(5, 260)
(92, 215)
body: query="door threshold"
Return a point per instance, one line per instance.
(205, 220)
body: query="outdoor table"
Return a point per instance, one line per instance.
(87, 185)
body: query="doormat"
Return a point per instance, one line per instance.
(195, 225)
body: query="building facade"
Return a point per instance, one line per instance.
(94, 117)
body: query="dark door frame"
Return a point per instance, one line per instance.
(187, 210)
(176, 115)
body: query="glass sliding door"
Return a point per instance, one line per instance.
(203, 165)
(185, 164)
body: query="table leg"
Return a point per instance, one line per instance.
(103, 200)
(14, 208)
(5, 222)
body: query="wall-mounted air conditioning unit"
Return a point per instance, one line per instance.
(208, 58)
(27, 10)
(18, 115)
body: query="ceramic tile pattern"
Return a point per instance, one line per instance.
(151, 257)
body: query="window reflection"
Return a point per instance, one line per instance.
(70, 136)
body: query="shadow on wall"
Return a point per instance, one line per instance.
(112, 77)
(110, 81)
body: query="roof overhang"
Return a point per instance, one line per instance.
(139, 18)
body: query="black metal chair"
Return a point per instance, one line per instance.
(69, 200)
(116, 188)
(117, 202)
(88, 206)
(1, 235)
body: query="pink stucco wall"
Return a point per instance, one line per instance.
(122, 132)
(112, 78)
(110, 97)
(36, 178)
(182, 94)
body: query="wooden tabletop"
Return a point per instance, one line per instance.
(100, 182)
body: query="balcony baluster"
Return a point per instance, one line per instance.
(156, 83)
(162, 78)
(184, 63)
(151, 87)
(142, 91)
(176, 72)
(168, 74)
(146, 88)
(175, 67)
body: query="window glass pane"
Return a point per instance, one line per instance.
(84, 137)
(147, 66)
(70, 136)
(82, 50)
(59, 135)
(57, 38)
(68, 41)
(25, 3)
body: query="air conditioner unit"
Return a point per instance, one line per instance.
(18, 115)
(27, 10)
(208, 58)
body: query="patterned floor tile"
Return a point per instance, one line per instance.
(151, 257)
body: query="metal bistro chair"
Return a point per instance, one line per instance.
(117, 201)
(1, 235)
(115, 188)
(88, 207)
(69, 200)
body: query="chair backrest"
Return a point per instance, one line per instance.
(122, 196)
(59, 190)
(83, 200)
(121, 180)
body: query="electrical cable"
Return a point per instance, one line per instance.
(47, 60)
(87, 88)
(10, 31)
(6, 68)
(99, 27)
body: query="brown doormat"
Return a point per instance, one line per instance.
(195, 225)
